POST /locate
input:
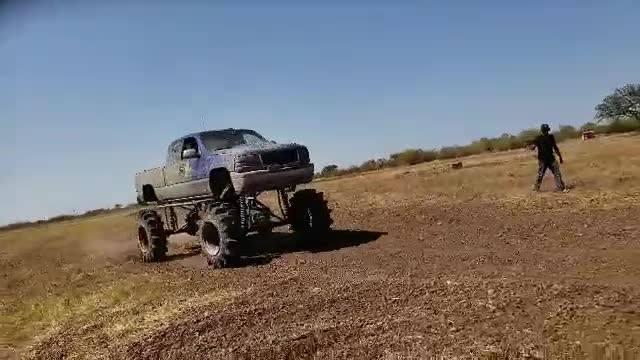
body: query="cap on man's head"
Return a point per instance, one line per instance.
(545, 128)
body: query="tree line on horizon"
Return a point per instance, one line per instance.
(65, 217)
(621, 111)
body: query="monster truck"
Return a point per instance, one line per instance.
(209, 188)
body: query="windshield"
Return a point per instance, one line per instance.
(225, 139)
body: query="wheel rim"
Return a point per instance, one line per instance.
(210, 239)
(143, 240)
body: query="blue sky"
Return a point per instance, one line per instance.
(93, 92)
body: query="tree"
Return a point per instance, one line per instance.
(328, 170)
(623, 103)
(369, 165)
(566, 132)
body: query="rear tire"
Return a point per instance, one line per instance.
(309, 215)
(152, 240)
(218, 235)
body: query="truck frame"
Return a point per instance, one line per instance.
(221, 216)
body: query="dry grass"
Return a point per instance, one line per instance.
(85, 271)
(602, 170)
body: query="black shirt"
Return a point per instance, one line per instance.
(545, 144)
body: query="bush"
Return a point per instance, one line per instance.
(412, 157)
(369, 165)
(452, 152)
(329, 170)
(60, 218)
(622, 126)
(528, 135)
(482, 145)
(566, 132)
(502, 143)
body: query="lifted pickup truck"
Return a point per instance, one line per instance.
(209, 187)
(196, 163)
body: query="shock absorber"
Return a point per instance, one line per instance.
(243, 214)
(283, 201)
(173, 219)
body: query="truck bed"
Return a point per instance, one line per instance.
(154, 177)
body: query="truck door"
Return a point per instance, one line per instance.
(171, 169)
(181, 169)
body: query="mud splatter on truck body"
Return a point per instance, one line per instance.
(253, 163)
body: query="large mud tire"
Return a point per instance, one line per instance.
(310, 216)
(152, 240)
(218, 233)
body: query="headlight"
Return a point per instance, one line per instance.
(248, 162)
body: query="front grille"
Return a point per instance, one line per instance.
(281, 157)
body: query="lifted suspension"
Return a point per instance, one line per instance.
(283, 203)
(244, 214)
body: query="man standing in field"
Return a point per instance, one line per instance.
(546, 144)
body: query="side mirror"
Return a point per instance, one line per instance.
(190, 154)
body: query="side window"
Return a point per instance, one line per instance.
(173, 153)
(189, 143)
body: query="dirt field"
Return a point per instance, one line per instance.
(425, 261)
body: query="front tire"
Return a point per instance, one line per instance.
(218, 234)
(221, 186)
(152, 240)
(310, 215)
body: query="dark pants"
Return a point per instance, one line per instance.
(555, 170)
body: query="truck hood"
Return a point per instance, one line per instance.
(259, 148)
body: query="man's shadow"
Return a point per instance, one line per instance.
(262, 249)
